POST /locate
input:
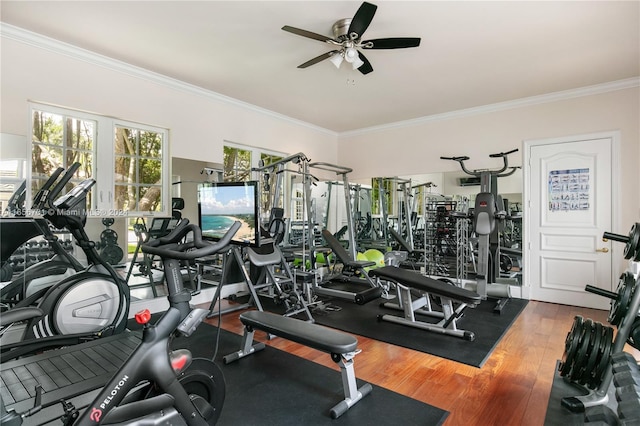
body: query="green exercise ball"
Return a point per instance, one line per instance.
(376, 256)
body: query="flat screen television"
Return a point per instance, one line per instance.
(220, 204)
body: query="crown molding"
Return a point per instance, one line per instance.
(56, 46)
(43, 42)
(502, 106)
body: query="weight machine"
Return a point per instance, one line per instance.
(395, 202)
(488, 213)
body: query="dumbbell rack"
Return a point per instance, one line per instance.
(37, 249)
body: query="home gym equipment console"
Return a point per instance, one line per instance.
(341, 346)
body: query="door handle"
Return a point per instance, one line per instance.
(603, 250)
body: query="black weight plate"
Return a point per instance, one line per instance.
(594, 348)
(633, 244)
(571, 346)
(107, 221)
(109, 236)
(112, 254)
(627, 315)
(581, 354)
(604, 357)
(506, 264)
(620, 304)
(634, 334)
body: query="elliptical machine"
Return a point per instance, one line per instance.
(47, 272)
(154, 385)
(90, 304)
(487, 214)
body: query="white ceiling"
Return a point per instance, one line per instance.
(472, 53)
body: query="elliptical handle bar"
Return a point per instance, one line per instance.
(503, 154)
(458, 159)
(41, 196)
(66, 177)
(169, 246)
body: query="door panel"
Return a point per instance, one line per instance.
(569, 208)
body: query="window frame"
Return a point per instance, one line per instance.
(256, 156)
(102, 199)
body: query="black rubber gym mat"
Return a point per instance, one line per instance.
(489, 327)
(273, 387)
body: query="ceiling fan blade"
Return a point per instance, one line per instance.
(305, 33)
(318, 59)
(362, 18)
(365, 68)
(392, 43)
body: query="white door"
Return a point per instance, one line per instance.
(569, 206)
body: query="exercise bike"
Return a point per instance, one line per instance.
(90, 304)
(154, 385)
(43, 274)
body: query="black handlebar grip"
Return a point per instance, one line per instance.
(503, 154)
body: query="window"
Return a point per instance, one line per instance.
(127, 160)
(138, 169)
(240, 159)
(237, 164)
(59, 140)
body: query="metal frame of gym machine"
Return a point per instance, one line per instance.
(488, 278)
(235, 251)
(341, 172)
(403, 203)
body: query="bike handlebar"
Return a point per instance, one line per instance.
(169, 246)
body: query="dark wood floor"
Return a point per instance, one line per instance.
(512, 388)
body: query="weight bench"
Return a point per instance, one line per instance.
(341, 346)
(411, 284)
(351, 270)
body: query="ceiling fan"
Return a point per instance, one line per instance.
(347, 37)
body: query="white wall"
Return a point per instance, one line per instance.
(420, 146)
(199, 121)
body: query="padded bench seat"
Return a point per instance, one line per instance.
(315, 336)
(341, 346)
(427, 284)
(413, 290)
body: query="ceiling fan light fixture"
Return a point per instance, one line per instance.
(357, 63)
(336, 59)
(351, 55)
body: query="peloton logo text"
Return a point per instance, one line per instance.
(96, 413)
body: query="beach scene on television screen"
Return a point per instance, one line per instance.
(221, 206)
